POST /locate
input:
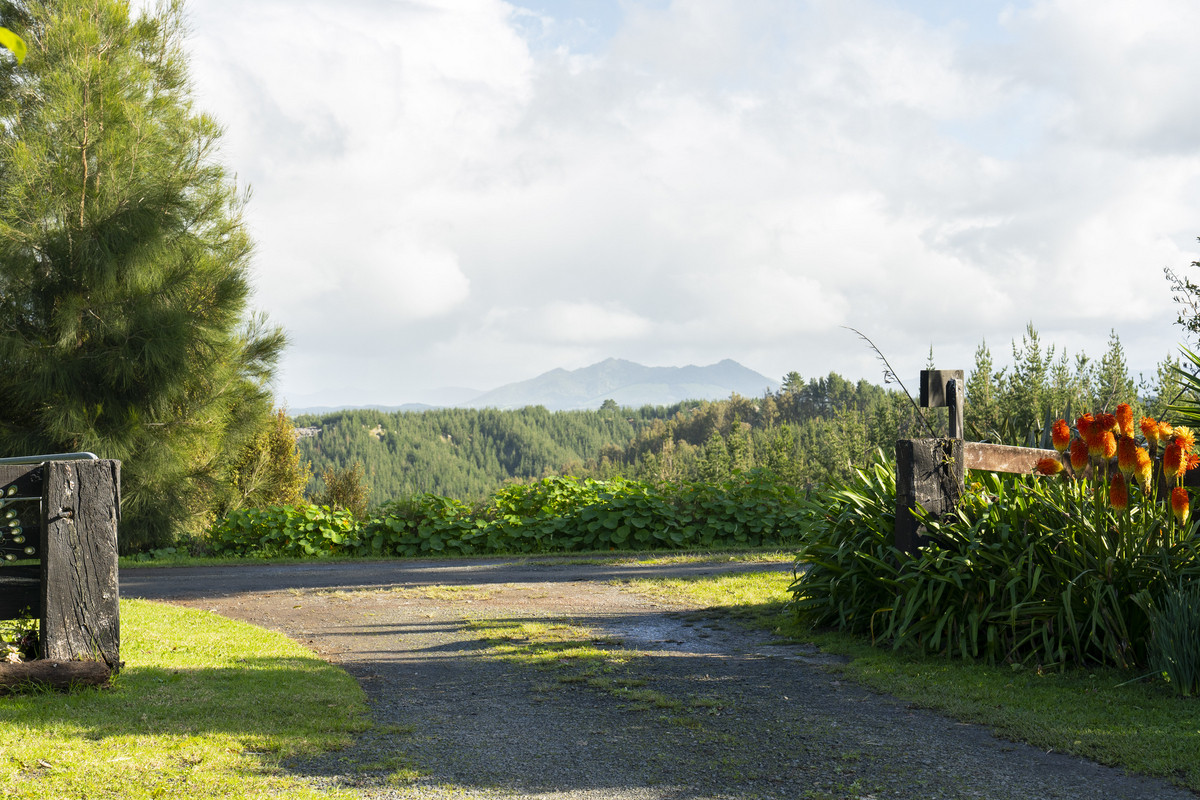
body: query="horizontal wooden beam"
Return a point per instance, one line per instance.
(61, 675)
(1003, 458)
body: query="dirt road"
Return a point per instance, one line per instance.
(689, 705)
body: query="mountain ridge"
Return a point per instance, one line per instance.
(627, 383)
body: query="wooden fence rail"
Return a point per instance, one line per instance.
(931, 473)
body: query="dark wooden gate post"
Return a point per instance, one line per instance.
(929, 474)
(81, 506)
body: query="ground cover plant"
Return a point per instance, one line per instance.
(553, 515)
(1102, 713)
(214, 713)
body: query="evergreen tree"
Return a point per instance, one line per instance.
(123, 264)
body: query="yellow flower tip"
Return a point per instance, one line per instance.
(1184, 438)
(1181, 504)
(1048, 466)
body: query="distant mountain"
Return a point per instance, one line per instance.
(628, 384)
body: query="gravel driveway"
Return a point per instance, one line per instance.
(717, 712)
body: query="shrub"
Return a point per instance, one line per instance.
(344, 489)
(1027, 570)
(306, 530)
(548, 516)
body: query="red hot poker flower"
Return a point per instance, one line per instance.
(1084, 426)
(1174, 462)
(1125, 419)
(1060, 434)
(1118, 492)
(1109, 442)
(1184, 438)
(1181, 504)
(1106, 422)
(1149, 428)
(1079, 455)
(1127, 455)
(1048, 466)
(1145, 469)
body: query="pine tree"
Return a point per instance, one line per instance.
(124, 327)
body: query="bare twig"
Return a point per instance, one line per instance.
(889, 375)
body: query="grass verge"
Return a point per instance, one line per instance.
(1109, 716)
(204, 707)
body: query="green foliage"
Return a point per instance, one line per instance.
(305, 530)
(267, 471)
(344, 489)
(805, 434)
(549, 516)
(123, 265)
(1173, 647)
(1027, 570)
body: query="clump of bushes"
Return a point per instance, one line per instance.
(1069, 570)
(550, 516)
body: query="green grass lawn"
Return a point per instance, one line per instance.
(204, 707)
(1115, 718)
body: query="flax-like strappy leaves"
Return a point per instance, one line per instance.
(1026, 571)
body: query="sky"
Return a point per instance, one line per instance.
(468, 193)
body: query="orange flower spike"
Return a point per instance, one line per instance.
(1084, 426)
(1145, 469)
(1184, 438)
(1149, 428)
(1127, 455)
(1118, 492)
(1193, 461)
(1174, 463)
(1048, 466)
(1181, 504)
(1165, 431)
(1079, 455)
(1109, 442)
(1060, 434)
(1106, 422)
(1095, 441)
(1125, 419)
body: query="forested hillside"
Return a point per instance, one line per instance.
(805, 432)
(464, 453)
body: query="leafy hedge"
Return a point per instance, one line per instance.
(551, 516)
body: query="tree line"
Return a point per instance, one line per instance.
(808, 432)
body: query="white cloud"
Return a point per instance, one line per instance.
(484, 191)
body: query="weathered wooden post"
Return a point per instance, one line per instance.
(930, 472)
(64, 514)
